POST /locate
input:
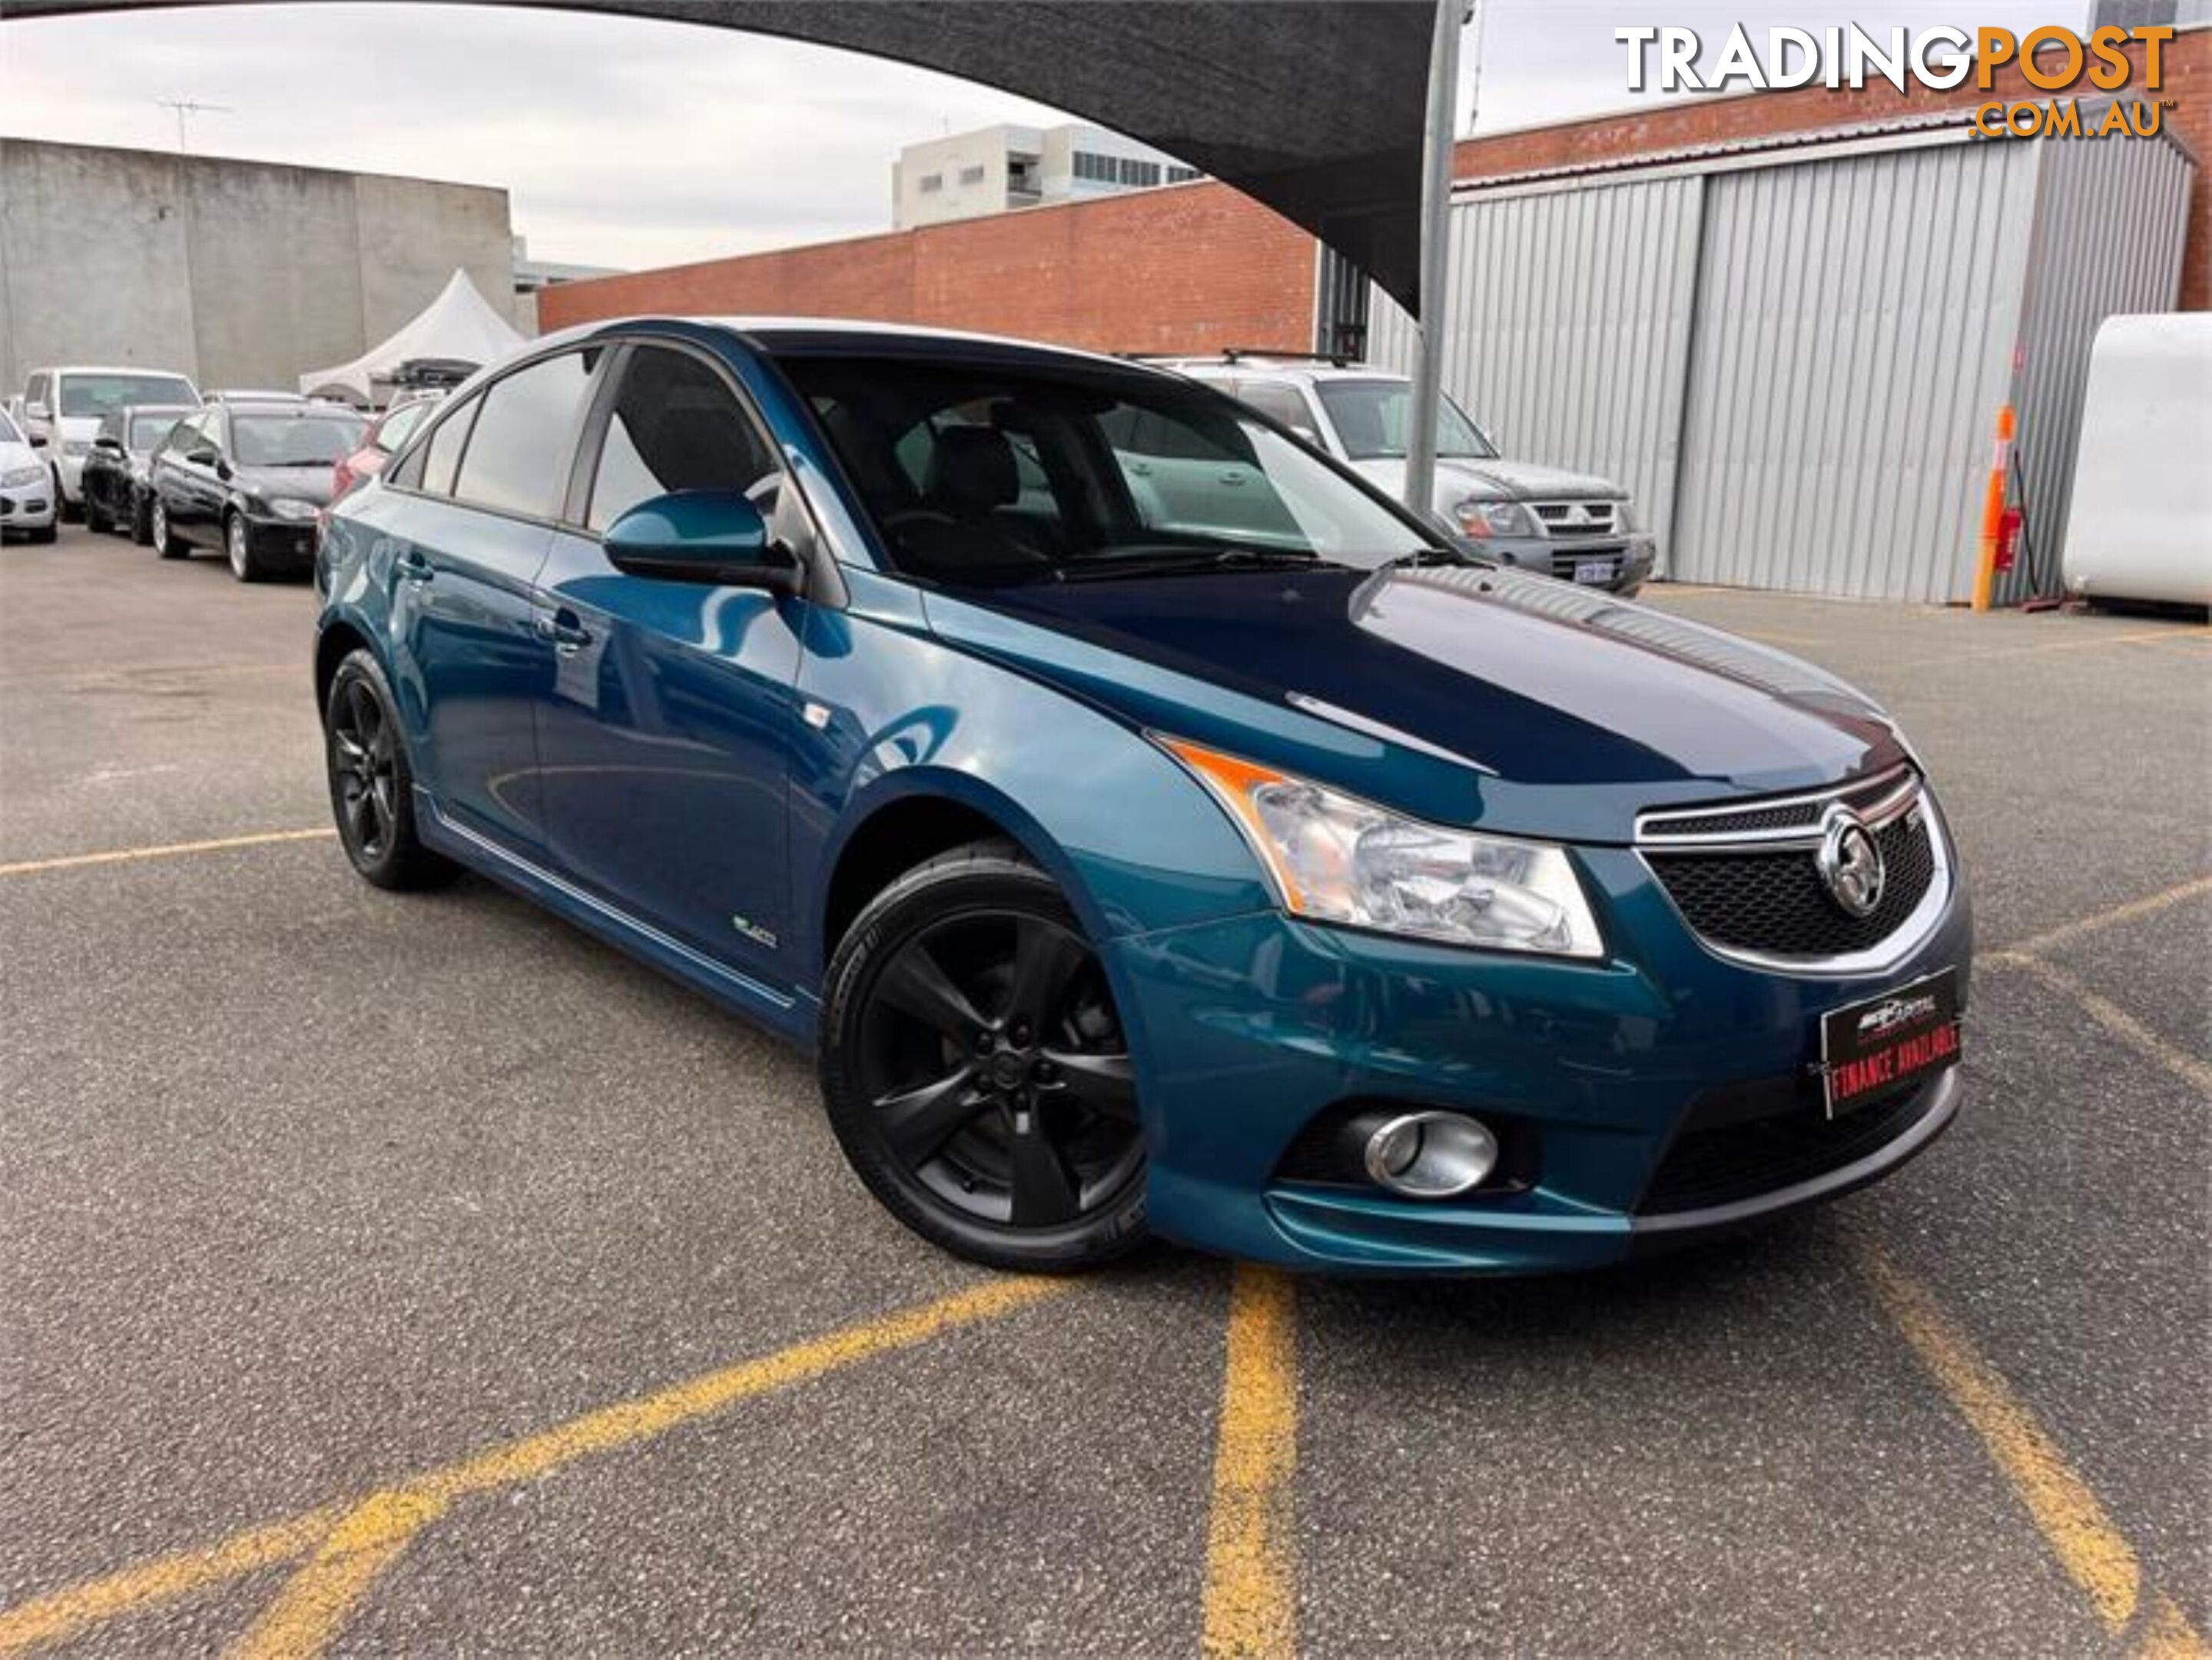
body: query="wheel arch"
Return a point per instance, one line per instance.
(914, 815)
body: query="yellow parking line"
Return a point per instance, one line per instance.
(63, 1613)
(2073, 1523)
(2111, 1017)
(170, 850)
(2088, 643)
(1251, 1588)
(352, 1544)
(2177, 894)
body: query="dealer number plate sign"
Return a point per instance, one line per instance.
(1872, 1048)
(1595, 570)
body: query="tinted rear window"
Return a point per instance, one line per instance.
(517, 457)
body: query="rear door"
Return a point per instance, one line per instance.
(665, 731)
(468, 535)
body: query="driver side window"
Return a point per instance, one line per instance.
(675, 425)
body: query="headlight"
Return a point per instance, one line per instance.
(284, 508)
(1479, 517)
(1336, 859)
(16, 477)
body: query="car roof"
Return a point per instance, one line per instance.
(112, 369)
(776, 335)
(286, 406)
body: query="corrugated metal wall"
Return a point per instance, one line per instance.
(1570, 327)
(1855, 329)
(1797, 366)
(2103, 247)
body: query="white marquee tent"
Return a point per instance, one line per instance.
(459, 323)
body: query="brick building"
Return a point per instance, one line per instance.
(1195, 266)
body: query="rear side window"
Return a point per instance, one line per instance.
(445, 449)
(399, 424)
(517, 459)
(1278, 403)
(677, 426)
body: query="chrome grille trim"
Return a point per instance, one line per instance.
(1693, 829)
(1901, 792)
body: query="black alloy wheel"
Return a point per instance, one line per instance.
(372, 788)
(976, 1072)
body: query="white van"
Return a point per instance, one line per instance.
(2141, 523)
(62, 409)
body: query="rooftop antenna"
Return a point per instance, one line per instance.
(184, 107)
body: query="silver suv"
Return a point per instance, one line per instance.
(1572, 525)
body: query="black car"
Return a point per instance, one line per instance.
(114, 487)
(249, 479)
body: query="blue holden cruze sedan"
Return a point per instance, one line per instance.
(1153, 827)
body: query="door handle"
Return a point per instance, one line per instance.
(564, 629)
(416, 566)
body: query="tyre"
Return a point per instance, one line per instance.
(142, 522)
(976, 1071)
(372, 786)
(166, 541)
(95, 517)
(238, 545)
(66, 511)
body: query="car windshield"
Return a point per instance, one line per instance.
(294, 440)
(980, 473)
(97, 394)
(1371, 417)
(147, 430)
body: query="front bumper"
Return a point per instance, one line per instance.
(1630, 557)
(27, 506)
(1252, 1029)
(288, 543)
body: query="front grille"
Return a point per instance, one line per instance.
(1715, 1162)
(1774, 903)
(1564, 520)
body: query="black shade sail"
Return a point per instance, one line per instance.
(1314, 107)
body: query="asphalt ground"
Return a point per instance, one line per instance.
(386, 1274)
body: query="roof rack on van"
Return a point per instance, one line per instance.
(1336, 360)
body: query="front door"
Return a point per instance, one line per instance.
(664, 734)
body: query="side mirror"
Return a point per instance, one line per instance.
(37, 440)
(36, 410)
(701, 536)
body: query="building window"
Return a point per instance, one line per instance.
(930, 182)
(1181, 175)
(971, 175)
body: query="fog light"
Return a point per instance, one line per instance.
(1431, 1155)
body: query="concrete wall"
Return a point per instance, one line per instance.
(239, 273)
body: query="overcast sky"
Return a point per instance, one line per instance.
(637, 144)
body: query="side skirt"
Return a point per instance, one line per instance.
(788, 1014)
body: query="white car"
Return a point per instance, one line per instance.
(27, 486)
(62, 409)
(1576, 526)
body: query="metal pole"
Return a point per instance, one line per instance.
(1436, 225)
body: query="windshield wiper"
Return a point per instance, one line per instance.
(1193, 560)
